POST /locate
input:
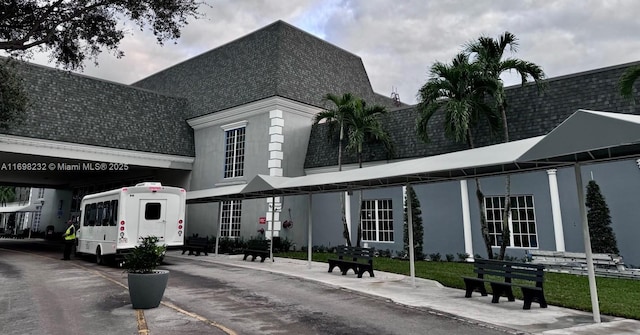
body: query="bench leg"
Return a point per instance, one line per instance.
(364, 269)
(472, 285)
(531, 296)
(245, 257)
(500, 290)
(331, 266)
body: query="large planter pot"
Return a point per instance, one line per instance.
(146, 289)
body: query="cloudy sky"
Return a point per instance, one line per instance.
(399, 40)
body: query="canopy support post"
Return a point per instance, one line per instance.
(412, 266)
(587, 246)
(309, 234)
(273, 222)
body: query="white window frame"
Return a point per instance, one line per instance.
(230, 218)
(525, 216)
(231, 168)
(377, 221)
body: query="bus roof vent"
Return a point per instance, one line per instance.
(149, 184)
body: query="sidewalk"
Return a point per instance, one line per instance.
(431, 294)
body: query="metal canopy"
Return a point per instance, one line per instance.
(490, 160)
(213, 194)
(20, 208)
(588, 136)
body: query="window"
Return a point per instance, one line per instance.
(522, 221)
(230, 219)
(377, 220)
(152, 211)
(100, 216)
(90, 214)
(36, 217)
(234, 153)
(114, 213)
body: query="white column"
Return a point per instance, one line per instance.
(219, 226)
(555, 209)
(276, 156)
(466, 220)
(347, 213)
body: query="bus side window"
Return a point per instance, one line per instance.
(87, 215)
(107, 213)
(114, 213)
(92, 215)
(100, 213)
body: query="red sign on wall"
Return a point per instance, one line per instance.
(262, 220)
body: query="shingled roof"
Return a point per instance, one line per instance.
(277, 60)
(68, 107)
(529, 114)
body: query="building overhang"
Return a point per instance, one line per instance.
(83, 152)
(47, 163)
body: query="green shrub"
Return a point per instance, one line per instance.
(145, 257)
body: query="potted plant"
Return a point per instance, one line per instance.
(146, 284)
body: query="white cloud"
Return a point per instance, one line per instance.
(399, 40)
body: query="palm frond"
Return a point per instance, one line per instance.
(627, 81)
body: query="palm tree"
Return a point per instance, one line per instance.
(364, 126)
(627, 80)
(489, 55)
(7, 194)
(459, 90)
(341, 114)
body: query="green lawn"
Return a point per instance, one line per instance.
(618, 297)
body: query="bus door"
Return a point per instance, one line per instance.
(153, 218)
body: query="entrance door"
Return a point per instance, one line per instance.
(153, 218)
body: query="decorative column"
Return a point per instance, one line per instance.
(466, 220)
(555, 209)
(276, 155)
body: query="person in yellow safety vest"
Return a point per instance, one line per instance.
(69, 239)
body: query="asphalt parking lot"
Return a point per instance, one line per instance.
(43, 295)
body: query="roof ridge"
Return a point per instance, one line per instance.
(582, 73)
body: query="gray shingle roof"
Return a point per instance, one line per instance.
(529, 114)
(277, 60)
(79, 109)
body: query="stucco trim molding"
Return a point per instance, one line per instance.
(252, 109)
(84, 152)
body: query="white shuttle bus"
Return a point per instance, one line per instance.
(113, 222)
